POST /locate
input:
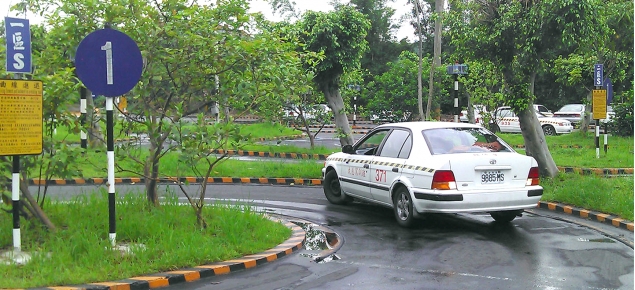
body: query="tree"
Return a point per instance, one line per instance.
(393, 92)
(194, 56)
(382, 47)
(340, 36)
(519, 37)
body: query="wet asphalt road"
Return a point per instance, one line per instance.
(540, 250)
(464, 251)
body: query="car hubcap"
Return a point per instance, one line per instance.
(335, 187)
(402, 207)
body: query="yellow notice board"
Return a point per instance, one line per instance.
(599, 104)
(20, 117)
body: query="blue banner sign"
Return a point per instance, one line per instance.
(598, 75)
(18, 35)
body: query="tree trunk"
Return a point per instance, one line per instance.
(335, 102)
(535, 143)
(436, 60)
(35, 207)
(419, 81)
(586, 121)
(95, 136)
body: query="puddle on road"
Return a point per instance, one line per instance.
(603, 240)
(319, 242)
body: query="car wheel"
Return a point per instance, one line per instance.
(333, 191)
(505, 216)
(402, 205)
(494, 128)
(549, 130)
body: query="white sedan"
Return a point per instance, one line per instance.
(508, 122)
(433, 167)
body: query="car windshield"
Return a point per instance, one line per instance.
(463, 140)
(572, 108)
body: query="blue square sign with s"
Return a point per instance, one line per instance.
(18, 35)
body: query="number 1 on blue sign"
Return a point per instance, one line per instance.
(108, 48)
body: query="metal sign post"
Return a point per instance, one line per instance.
(109, 63)
(456, 70)
(599, 103)
(20, 133)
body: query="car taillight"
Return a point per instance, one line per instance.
(534, 176)
(444, 180)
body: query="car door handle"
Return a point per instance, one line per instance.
(395, 169)
(366, 166)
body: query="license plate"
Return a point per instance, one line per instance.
(492, 177)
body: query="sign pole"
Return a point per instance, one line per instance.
(456, 98)
(599, 103)
(15, 203)
(456, 70)
(109, 63)
(82, 117)
(112, 220)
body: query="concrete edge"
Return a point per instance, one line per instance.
(588, 214)
(170, 278)
(176, 180)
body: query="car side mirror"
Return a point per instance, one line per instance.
(348, 149)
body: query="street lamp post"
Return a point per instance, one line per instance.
(456, 70)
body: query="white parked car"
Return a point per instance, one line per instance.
(479, 110)
(507, 122)
(433, 167)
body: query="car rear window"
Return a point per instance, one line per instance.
(463, 140)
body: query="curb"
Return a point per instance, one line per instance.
(588, 214)
(134, 180)
(170, 278)
(271, 154)
(597, 171)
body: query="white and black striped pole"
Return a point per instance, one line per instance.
(456, 70)
(15, 200)
(112, 220)
(82, 117)
(456, 98)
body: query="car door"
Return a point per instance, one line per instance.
(355, 171)
(387, 165)
(505, 119)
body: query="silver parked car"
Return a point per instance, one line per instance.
(574, 113)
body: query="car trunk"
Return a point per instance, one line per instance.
(478, 171)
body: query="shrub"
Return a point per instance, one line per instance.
(622, 122)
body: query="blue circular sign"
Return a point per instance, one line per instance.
(108, 62)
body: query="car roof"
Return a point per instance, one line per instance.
(423, 125)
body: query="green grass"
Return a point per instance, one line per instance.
(564, 152)
(606, 195)
(258, 130)
(79, 251)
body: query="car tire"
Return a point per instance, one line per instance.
(333, 191)
(505, 216)
(549, 130)
(403, 208)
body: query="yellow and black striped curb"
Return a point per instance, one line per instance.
(563, 146)
(291, 137)
(134, 180)
(271, 154)
(163, 279)
(597, 171)
(333, 126)
(352, 132)
(588, 214)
